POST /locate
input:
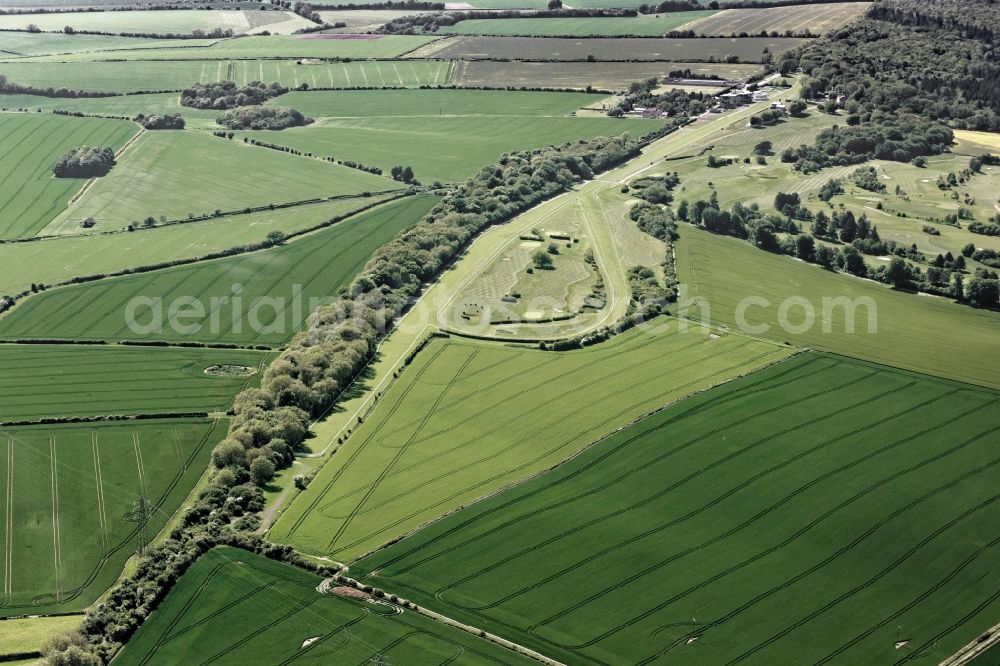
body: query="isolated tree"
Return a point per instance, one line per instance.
(984, 293)
(541, 259)
(69, 30)
(763, 148)
(276, 237)
(555, 4)
(825, 257)
(797, 107)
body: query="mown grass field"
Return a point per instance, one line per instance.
(817, 19)
(155, 21)
(443, 148)
(816, 511)
(922, 333)
(270, 284)
(52, 381)
(175, 175)
(600, 75)
(466, 419)
(66, 492)
(152, 75)
(748, 49)
(60, 259)
(440, 103)
(25, 635)
(639, 26)
(236, 607)
(30, 196)
(272, 46)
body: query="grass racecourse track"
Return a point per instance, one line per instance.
(921, 333)
(49, 381)
(639, 26)
(30, 196)
(63, 258)
(67, 490)
(153, 75)
(467, 418)
(747, 49)
(443, 148)
(267, 310)
(236, 607)
(817, 19)
(816, 511)
(173, 175)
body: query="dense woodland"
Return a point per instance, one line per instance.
(84, 162)
(262, 118)
(227, 95)
(934, 58)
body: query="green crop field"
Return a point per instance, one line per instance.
(151, 75)
(67, 490)
(466, 419)
(154, 21)
(747, 49)
(60, 259)
(174, 175)
(926, 334)
(236, 607)
(816, 19)
(639, 26)
(600, 75)
(30, 196)
(443, 148)
(816, 511)
(119, 105)
(443, 103)
(40, 43)
(274, 46)
(261, 298)
(50, 381)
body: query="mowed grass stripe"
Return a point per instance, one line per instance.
(796, 514)
(75, 484)
(236, 606)
(466, 435)
(30, 196)
(321, 263)
(49, 381)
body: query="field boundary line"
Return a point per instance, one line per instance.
(55, 518)
(974, 649)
